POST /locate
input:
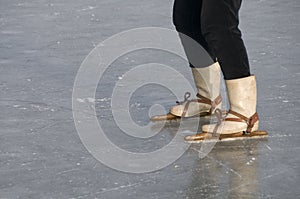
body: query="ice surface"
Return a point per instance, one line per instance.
(42, 44)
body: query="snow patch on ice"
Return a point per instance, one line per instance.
(104, 99)
(87, 100)
(40, 108)
(121, 77)
(91, 100)
(34, 107)
(135, 105)
(88, 8)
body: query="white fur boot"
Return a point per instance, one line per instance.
(207, 81)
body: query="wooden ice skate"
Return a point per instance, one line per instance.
(186, 103)
(241, 121)
(206, 137)
(207, 82)
(170, 116)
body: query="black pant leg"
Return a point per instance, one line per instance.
(186, 18)
(219, 22)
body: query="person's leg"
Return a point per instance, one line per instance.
(219, 22)
(186, 17)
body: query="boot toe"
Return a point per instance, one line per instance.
(177, 110)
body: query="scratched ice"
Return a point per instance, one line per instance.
(42, 44)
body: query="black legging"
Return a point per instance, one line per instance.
(214, 25)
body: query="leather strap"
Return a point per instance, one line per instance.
(201, 99)
(185, 108)
(218, 114)
(214, 104)
(238, 115)
(252, 121)
(241, 118)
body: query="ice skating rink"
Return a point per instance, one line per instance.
(42, 45)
